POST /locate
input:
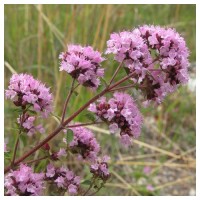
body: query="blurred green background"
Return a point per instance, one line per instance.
(34, 37)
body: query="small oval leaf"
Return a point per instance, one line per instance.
(86, 182)
(70, 135)
(7, 155)
(75, 93)
(104, 82)
(90, 116)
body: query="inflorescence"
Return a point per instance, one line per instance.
(156, 60)
(83, 64)
(121, 113)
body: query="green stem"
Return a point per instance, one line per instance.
(92, 194)
(15, 150)
(18, 137)
(92, 183)
(116, 71)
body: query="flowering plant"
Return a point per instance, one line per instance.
(156, 62)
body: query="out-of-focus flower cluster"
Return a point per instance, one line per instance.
(84, 143)
(27, 123)
(5, 147)
(121, 113)
(63, 178)
(83, 64)
(24, 182)
(158, 56)
(25, 91)
(100, 168)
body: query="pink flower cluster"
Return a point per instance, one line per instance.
(64, 178)
(158, 56)
(28, 125)
(130, 48)
(171, 57)
(84, 143)
(25, 91)
(83, 64)
(24, 182)
(171, 51)
(147, 170)
(121, 113)
(100, 168)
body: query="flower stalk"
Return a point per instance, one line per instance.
(67, 100)
(67, 121)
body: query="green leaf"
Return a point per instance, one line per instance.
(7, 155)
(41, 166)
(32, 112)
(67, 87)
(56, 117)
(136, 86)
(23, 138)
(104, 82)
(75, 92)
(90, 116)
(70, 136)
(138, 174)
(100, 88)
(127, 72)
(17, 126)
(17, 110)
(86, 182)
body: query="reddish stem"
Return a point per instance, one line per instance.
(36, 160)
(114, 75)
(67, 101)
(60, 128)
(126, 87)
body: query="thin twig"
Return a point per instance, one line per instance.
(126, 87)
(92, 183)
(15, 149)
(173, 165)
(172, 159)
(40, 30)
(126, 183)
(11, 69)
(92, 194)
(180, 180)
(67, 101)
(140, 156)
(36, 160)
(123, 87)
(18, 136)
(140, 143)
(116, 71)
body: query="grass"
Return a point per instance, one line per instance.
(34, 37)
